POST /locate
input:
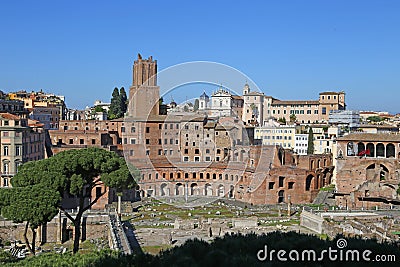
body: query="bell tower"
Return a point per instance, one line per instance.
(144, 94)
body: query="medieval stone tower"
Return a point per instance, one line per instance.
(144, 94)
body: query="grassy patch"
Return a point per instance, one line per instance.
(330, 187)
(155, 249)
(323, 236)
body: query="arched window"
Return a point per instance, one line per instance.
(384, 173)
(350, 149)
(361, 147)
(17, 164)
(371, 150)
(6, 167)
(390, 151)
(380, 150)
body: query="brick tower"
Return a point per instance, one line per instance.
(144, 94)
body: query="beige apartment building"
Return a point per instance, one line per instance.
(273, 133)
(21, 141)
(259, 108)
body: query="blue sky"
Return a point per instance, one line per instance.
(290, 49)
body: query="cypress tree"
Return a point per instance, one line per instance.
(124, 100)
(310, 148)
(115, 106)
(196, 105)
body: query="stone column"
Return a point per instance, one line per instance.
(59, 228)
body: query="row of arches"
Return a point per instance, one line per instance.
(195, 175)
(318, 181)
(319, 163)
(193, 189)
(371, 150)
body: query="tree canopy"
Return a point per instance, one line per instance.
(375, 119)
(119, 103)
(35, 205)
(76, 173)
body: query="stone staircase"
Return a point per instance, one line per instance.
(126, 206)
(325, 198)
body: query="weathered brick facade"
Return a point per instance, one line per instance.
(367, 170)
(187, 154)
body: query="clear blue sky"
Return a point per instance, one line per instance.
(291, 49)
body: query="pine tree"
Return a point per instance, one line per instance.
(310, 149)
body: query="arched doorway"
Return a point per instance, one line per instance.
(370, 172)
(208, 190)
(194, 189)
(164, 190)
(221, 191)
(309, 182)
(231, 191)
(179, 189)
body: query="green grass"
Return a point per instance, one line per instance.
(327, 188)
(154, 250)
(323, 236)
(181, 213)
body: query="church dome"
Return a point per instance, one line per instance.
(204, 96)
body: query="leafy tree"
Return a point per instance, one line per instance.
(77, 173)
(375, 119)
(115, 110)
(98, 109)
(282, 120)
(35, 205)
(196, 105)
(310, 148)
(124, 100)
(292, 118)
